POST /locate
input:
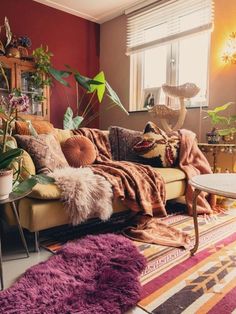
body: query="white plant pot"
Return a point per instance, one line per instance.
(6, 179)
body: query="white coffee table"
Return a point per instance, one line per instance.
(223, 184)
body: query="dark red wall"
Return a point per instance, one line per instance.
(72, 40)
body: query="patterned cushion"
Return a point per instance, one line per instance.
(122, 141)
(45, 151)
(159, 148)
(79, 151)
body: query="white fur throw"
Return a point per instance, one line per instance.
(84, 193)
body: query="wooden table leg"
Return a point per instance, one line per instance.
(195, 196)
(13, 206)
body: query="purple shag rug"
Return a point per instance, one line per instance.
(93, 275)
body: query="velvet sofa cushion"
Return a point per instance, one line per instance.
(45, 151)
(122, 141)
(62, 135)
(79, 151)
(41, 127)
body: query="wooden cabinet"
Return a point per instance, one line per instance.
(19, 73)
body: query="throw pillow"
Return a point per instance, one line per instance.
(79, 151)
(45, 151)
(122, 141)
(41, 127)
(159, 148)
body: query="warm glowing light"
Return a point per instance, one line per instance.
(229, 55)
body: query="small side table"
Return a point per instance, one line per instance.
(215, 149)
(12, 199)
(223, 184)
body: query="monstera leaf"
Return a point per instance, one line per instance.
(70, 122)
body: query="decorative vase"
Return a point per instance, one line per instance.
(213, 137)
(6, 178)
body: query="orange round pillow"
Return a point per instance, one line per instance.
(79, 151)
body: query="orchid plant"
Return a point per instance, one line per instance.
(10, 156)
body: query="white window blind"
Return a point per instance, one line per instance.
(166, 21)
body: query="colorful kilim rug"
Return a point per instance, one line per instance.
(174, 282)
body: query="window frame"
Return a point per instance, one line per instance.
(137, 64)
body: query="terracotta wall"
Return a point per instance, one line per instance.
(222, 78)
(73, 41)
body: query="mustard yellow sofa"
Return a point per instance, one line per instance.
(43, 209)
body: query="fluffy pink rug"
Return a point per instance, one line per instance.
(94, 275)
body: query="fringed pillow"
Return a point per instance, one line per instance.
(157, 147)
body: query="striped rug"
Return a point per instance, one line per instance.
(174, 282)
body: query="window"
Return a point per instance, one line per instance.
(166, 46)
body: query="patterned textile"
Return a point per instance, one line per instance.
(122, 141)
(204, 283)
(45, 151)
(157, 147)
(139, 187)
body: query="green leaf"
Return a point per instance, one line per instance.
(59, 75)
(28, 184)
(100, 77)
(10, 144)
(43, 179)
(70, 123)
(225, 132)
(85, 82)
(25, 186)
(114, 97)
(220, 108)
(9, 156)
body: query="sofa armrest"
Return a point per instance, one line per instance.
(45, 192)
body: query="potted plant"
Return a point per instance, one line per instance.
(89, 91)
(10, 156)
(223, 125)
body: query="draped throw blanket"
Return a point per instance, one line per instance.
(138, 186)
(193, 162)
(84, 194)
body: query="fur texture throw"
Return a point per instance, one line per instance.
(84, 194)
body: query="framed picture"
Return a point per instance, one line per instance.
(151, 97)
